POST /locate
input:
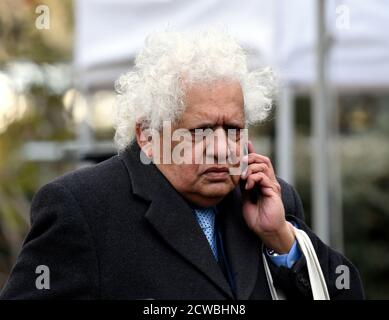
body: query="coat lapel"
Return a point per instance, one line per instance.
(172, 217)
(242, 246)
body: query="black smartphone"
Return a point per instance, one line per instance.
(255, 192)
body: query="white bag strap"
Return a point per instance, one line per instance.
(316, 277)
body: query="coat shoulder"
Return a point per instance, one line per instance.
(291, 200)
(97, 181)
(98, 175)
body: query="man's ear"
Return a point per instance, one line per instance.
(144, 140)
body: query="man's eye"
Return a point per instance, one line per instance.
(196, 132)
(234, 134)
(201, 131)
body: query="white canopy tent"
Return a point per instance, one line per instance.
(109, 33)
(354, 51)
(358, 44)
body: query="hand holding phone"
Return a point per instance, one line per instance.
(262, 205)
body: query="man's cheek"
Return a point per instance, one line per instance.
(235, 179)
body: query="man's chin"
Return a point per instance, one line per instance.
(217, 190)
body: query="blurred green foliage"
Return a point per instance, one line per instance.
(44, 119)
(364, 156)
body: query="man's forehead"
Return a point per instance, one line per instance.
(232, 116)
(218, 90)
(215, 100)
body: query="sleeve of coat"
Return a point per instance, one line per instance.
(59, 239)
(342, 278)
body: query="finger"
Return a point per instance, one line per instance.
(268, 192)
(258, 158)
(253, 168)
(255, 157)
(262, 180)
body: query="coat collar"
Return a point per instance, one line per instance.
(173, 219)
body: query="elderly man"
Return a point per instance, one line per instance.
(187, 207)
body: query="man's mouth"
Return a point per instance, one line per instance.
(217, 173)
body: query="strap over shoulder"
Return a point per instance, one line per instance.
(316, 277)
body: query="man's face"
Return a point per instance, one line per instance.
(204, 178)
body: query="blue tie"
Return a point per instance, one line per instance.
(206, 219)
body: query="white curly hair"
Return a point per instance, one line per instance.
(153, 91)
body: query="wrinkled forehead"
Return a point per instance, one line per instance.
(214, 103)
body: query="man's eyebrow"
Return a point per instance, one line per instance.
(203, 125)
(234, 125)
(231, 124)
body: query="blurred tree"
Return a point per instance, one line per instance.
(44, 117)
(364, 155)
(20, 38)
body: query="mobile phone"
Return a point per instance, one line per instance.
(255, 192)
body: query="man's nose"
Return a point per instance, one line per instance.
(220, 146)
